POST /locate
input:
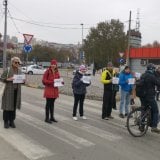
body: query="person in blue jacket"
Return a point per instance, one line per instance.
(126, 90)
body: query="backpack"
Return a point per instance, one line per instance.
(141, 87)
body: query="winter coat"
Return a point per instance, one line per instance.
(151, 81)
(123, 81)
(48, 80)
(157, 74)
(8, 95)
(77, 84)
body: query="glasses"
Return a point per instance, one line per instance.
(16, 62)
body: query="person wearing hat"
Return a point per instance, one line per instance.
(50, 91)
(79, 91)
(148, 99)
(11, 98)
(106, 79)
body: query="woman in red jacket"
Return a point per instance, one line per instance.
(50, 92)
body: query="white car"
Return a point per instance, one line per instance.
(33, 69)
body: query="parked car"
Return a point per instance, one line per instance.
(33, 69)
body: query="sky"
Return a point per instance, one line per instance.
(60, 21)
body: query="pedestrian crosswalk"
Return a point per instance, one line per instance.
(26, 145)
(75, 134)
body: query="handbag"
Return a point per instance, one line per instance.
(3, 85)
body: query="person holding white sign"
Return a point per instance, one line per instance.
(79, 84)
(51, 81)
(126, 82)
(11, 99)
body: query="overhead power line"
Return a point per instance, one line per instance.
(42, 25)
(13, 22)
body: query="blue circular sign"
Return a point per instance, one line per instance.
(27, 48)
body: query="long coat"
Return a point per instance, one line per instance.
(48, 80)
(8, 95)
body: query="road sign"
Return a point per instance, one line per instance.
(121, 60)
(27, 48)
(82, 55)
(27, 38)
(121, 54)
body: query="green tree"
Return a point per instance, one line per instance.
(42, 53)
(104, 42)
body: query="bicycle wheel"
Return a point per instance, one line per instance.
(137, 122)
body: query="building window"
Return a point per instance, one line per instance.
(143, 62)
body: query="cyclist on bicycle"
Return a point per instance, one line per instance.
(151, 81)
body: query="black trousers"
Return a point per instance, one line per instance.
(114, 99)
(157, 95)
(78, 98)
(107, 103)
(10, 115)
(49, 108)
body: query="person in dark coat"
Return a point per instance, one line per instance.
(79, 91)
(115, 89)
(50, 91)
(11, 98)
(157, 74)
(151, 81)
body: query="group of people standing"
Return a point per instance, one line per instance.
(11, 99)
(110, 90)
(127, 92)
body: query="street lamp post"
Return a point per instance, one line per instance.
(82, 33)
(82, 52)
(5, 36)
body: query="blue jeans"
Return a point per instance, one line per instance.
(124, 102)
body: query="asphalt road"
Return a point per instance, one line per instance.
(91, 139)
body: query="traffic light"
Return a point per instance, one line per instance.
(82, 55)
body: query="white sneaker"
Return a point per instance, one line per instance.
(83, 117)
(75, 118)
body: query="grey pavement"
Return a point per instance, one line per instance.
(91, 139)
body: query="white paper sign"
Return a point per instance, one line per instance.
(86, 79)
(115, 80)
(19, 78)
(131, 81)
(58, 82)
(137, 75)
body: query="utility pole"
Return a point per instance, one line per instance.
(129, 34)
(5, 36)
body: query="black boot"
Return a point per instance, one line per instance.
(47, 115)
(52, 114)
(48, 121)
(6, 125)
(53, 120)
(12, 124)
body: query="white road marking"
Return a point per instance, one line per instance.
(83, 126)
(27, 146)
(57, 132)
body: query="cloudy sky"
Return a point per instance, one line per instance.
(59, 20)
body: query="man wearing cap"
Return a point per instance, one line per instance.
(106, 79)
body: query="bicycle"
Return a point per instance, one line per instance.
(138, 121)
